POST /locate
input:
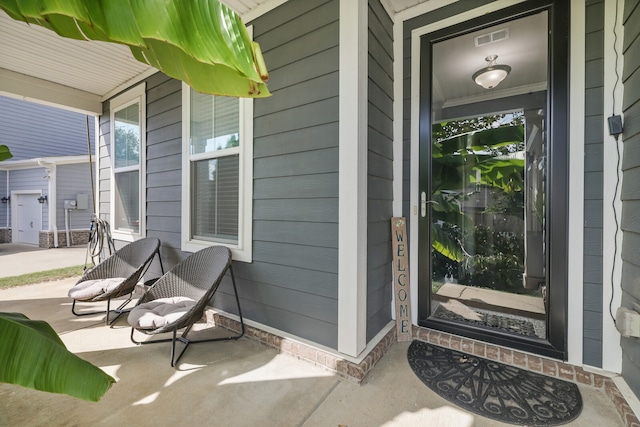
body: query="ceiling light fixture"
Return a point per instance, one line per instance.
(491, 75)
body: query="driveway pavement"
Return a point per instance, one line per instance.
(20, 258)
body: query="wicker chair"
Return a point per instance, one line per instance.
(178, 299)
(116, 276)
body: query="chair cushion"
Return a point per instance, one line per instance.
(158, 313)
(90, 289)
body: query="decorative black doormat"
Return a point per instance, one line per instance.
(494, 390)
(493, 321)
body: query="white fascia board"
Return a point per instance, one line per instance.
(611, 233)
(352, 182)
(261, 10)
(37, 162)
(128, 84)
(422, 8)
(28, 88)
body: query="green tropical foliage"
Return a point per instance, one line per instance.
(469, 156)
(203, 43)
(462, 152)
(5, 154)
(32, 355)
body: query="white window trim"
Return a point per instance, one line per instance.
(242, 251)
(135, 94)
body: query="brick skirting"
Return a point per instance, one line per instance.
(353, 372)
(531, 362)
(356, 372)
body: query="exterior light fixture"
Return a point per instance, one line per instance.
(491, 75)
(6, 199)
(42, 199)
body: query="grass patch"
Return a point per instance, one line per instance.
(41, 276)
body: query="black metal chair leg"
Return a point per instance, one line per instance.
(119, 311)
(73, 310)
(183, 339)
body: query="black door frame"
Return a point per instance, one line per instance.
(557, 187)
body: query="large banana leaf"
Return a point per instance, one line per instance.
(203, 43)
(446, 210)
(445, 245)
(5, 153)
(479, 140)
(456, 159)
(32, 355)
(507, 174)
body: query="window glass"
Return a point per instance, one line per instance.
(215, 169)
(127, 136)
(215, 187)
(128, 163)
(127, 201)
(215, 123)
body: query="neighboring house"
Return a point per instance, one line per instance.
(302, 185)
(50, 166)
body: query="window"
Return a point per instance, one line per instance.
(127, 113)
(217, 172)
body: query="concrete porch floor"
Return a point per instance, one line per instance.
(238, 383)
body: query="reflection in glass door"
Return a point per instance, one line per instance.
(487, 212)
(485, 147)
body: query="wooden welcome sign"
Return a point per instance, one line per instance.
(401, 278)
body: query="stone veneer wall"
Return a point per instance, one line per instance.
(356, 372)
(5, 235)
(78, 237)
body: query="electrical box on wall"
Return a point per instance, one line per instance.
(70, 204)
(628, 322)
(82, 201)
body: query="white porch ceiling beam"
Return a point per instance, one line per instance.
(28, 88)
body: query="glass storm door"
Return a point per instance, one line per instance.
(492, 181)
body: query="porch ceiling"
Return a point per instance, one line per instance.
(38, 65)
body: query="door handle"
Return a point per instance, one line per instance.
(423, 204)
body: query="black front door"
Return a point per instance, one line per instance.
(492, 178)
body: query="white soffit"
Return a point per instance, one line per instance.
(39, 65)
(89, 66)
(397, 6)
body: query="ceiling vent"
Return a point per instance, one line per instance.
(493, 37)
